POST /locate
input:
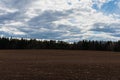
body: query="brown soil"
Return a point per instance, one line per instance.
(59, 65)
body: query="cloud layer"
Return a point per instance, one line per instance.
(68, 20)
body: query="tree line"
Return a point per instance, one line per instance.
(10, 43)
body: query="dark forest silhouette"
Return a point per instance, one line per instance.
(10, 43)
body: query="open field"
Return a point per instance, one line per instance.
(59, 65)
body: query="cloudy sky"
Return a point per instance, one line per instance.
(68, 20)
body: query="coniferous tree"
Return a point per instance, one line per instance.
(6, 43)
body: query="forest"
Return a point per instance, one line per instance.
(12, 43)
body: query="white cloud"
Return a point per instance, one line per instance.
(5, 10)
(100, 2)
(14, 23)
(69, 20)
(11, 30)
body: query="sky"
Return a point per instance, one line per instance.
(67, 20)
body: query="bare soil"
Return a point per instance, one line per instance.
(59, 65)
